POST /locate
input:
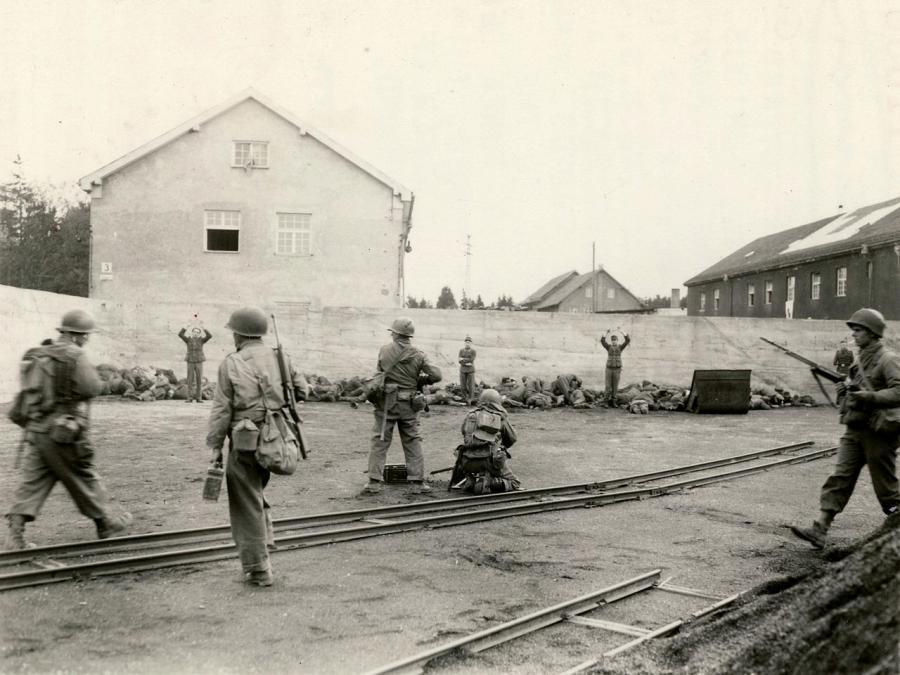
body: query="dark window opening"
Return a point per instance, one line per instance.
(222, 240)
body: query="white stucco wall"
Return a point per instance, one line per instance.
(339, 341)
(148, 221)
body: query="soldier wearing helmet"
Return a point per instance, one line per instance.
(58, 382)
(481, 459)
(870, 409)
(404, 369)
(249, 383)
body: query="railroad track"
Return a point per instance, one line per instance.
(570, 613)
(63, 562)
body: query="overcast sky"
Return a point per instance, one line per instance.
(669, 133)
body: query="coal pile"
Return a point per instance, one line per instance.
(839, 616)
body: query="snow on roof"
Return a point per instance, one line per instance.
(846, 226)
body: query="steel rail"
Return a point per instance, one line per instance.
(529, 623)
(649, 635)
(196, 535)
(303, 540)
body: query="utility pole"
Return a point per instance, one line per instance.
(467, 287)
(593, 277)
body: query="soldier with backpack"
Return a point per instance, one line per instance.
(58, 380)
(481, 459)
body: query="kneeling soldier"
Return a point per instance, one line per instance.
(481, 459)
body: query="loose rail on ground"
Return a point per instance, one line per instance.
(568, 612)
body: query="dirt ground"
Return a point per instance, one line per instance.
(352, 607)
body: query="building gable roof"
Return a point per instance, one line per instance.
(869, 225)
(549, 287)
(576, 283)
(194, 123)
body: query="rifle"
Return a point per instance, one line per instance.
(287, 389)
(817, 370)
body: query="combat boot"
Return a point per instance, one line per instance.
(374, 487)
(817, 535)
(419, 487)
(109, 526)
(15, 538)
(259, 578)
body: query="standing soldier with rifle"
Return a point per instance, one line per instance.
(870, 409)
(401, 369)
(249, 383)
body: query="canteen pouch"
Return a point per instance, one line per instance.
(418, 402)
(278, 449)
(245, 436)
(886, 421)
(65, 429)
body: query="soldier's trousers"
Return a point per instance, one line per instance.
(45, 463)
(860, 447)
(407, 421)
(467, 384)
(194, 379)
(251, 524)
(612, 383)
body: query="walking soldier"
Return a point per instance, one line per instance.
(58, 381)
(870, 409)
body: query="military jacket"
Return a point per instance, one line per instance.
(467, 360)
(75, 382)
(249, 383)
(406, 373)
(195, 346)
(614, 352)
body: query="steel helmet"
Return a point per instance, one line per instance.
(490, 396)
(248, 321)
(403, 326)
(76, 321)
(868, 318)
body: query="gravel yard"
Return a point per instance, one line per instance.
(351, 607)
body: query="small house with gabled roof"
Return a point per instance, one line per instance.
(596, 292)
(249, 204)
(826, 269)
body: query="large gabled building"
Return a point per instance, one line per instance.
(822, 270)
(247, 203)
(596, 292)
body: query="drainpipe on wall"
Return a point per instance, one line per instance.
(404, 248)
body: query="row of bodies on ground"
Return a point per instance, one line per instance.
(143, 383)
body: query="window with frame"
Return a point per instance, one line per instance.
(840, 286)
(294, 234)
(815, 285)
(251, 154)
(611, 293)
(589, 291)
(751, 295)
(716, 299)
(222, 231)
(703, 302)
(770, 292)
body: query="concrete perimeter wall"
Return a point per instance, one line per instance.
(340, 341)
